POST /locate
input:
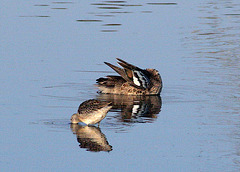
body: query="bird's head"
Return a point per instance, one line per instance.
(75, 118)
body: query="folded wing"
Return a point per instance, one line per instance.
(134, 75)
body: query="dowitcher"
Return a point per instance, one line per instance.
(132, 80)
(91, 112)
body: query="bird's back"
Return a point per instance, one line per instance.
(91, 106)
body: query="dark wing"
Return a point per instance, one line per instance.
(120, 71)
(140, 79)
(134, 75)
(138, 75)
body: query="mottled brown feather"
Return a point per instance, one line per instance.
(91, 105)
(124, 84)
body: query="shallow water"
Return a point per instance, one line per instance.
(52, 52)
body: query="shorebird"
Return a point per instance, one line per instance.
(132, 80)
(91, 112)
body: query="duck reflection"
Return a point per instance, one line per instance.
(91, 138)
(139, 109)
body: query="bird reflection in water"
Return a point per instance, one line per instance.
(134, 109)
(91, 138)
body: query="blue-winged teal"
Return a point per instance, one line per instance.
(132, 81)
(91, 112)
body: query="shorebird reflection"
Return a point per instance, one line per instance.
(91, 138)
(136, 109)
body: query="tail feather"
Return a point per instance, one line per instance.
(127, 65)
(119, 70)
(135, 76)
(110, 81)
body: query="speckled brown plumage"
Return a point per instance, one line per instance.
(91, 112)
(132, 81)
(91, 106)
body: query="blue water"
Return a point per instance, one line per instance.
(52, 52)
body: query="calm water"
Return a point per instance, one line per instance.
(51, 52)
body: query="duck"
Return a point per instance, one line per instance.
(91, 112)
(132, 80)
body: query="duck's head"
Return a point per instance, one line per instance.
(156, 81)
(75, 118)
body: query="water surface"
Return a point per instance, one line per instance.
(52, 52)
